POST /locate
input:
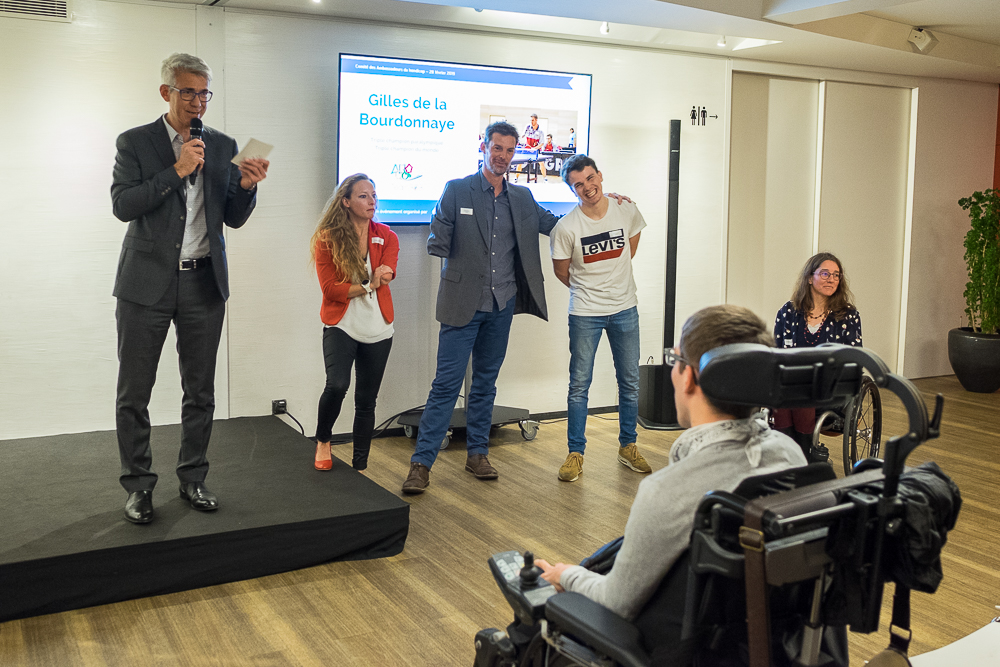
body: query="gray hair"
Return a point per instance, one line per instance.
(183, 62)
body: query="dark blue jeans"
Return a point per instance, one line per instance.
(485, 338)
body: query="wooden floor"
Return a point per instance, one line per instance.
(424, 606)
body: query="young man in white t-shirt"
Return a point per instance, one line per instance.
(592, 250)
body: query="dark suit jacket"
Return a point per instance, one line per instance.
(459, 233)
(147, 193)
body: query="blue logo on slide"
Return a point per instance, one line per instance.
(404, 172)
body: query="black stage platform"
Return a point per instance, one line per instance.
(64, 544)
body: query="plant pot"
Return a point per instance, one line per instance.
(975, 358)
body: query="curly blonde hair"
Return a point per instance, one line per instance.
(336, 234)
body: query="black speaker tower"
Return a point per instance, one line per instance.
(656, 391)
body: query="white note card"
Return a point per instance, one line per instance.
(253, 149)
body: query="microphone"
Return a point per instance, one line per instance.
(196, 128)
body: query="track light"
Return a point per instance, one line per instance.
(605, 28)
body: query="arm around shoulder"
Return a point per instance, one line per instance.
(547, 220)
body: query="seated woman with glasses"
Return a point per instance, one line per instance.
(355, 261)
(821, 311)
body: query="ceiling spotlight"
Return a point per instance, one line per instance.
(317, 1)
(721, 42)
(605, 28)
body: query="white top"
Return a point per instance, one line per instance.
(363, 320)
(600, 270)
(535, 134)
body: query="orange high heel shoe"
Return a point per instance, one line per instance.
(323, 464)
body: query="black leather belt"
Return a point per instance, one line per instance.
(191, 264)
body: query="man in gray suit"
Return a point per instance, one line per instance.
(487, 231)
(176, 193)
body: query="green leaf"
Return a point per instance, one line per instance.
(982, 258)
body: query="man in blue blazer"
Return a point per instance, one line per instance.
(487, 231)
(175, 193)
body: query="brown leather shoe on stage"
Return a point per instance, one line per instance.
(418, 479)
(480, 466)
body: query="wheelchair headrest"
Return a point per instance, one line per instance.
(825, 376)
(822, 377)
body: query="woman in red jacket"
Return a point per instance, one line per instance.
(355, 261)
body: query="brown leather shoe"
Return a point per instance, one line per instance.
(480, 466)
(418, 479)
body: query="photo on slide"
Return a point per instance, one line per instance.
(413, 125)
(536, 163)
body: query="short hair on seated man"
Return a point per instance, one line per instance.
(718, 451)
(714, 327)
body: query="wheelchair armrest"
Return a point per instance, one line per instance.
(596, 625)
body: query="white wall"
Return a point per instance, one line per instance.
(77, 85)
(772, 188)
(277, 81)
(294, 62)
(908, 284)
(862, 214)
(955, 147)
(69, 90)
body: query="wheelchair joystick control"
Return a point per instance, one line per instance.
(530, 572)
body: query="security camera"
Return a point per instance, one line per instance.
(922, 39)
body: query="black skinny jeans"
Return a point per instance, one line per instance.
(341, 352)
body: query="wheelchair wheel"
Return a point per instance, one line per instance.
(863, 425)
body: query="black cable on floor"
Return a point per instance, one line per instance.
(296, 421)
(379, 430)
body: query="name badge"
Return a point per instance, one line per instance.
(466, 211)
(378, 240)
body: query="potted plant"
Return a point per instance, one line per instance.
(974, 351)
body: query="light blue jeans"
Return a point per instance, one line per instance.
(584, 336)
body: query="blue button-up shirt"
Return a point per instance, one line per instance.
(502, 244)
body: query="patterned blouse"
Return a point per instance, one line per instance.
(790, 329)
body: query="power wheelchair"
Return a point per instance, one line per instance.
(858, 422)
(775, 571)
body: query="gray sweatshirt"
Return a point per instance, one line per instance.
(709, 457)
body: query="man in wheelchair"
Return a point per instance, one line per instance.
(664, 595)
(723, 445)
